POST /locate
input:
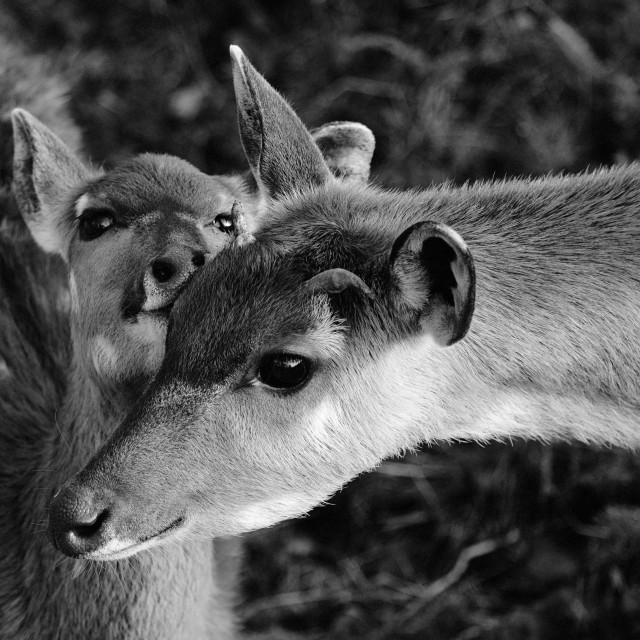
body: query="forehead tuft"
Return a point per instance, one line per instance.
(159, 182)
(324, 337)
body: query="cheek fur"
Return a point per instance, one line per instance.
(262, 514)
(115, 347)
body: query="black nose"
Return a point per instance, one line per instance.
(176, 265)
(77, 521)
(162, 280)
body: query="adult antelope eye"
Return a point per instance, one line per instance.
(283, 370)
(224, 222)
(94, 222)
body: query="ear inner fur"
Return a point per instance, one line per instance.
(448, 295)
(44, 172)
(280, 150)
(347, 148)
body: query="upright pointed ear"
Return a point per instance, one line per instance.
(433, 270)
(45, 172)
(347, 148)
(281, 152)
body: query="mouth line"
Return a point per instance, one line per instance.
(140, 545)
(161, 313)
(174, 525)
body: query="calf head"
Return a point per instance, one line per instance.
(132, 237)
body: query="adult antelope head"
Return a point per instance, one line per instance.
(284, 158)
(302, 359)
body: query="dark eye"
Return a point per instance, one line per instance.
(224, 222)
(94, 222)
(283, 370)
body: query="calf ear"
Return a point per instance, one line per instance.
(45, 172)
(347, 148)
(281, 152)
(433, 270)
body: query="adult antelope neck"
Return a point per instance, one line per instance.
(551, 352)
(304, 388)
(304, 358)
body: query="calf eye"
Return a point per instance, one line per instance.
(224, 222)
(284, 370)
(94, 222)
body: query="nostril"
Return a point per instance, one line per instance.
(86, 530)
(79, 520)
(162, 270)
(198, 259)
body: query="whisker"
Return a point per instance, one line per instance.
(55, 419)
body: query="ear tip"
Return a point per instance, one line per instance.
(365, 136)
(240, 67)
(19, 115)
(236, 54)
(348, 133)
(461, 332)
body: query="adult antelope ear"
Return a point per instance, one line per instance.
(281, 152)
(44, 173)
(433, 270)
(347, 148)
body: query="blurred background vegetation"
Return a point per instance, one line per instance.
(458, 542)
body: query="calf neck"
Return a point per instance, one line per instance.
(74, 359)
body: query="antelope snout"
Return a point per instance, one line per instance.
(79, 521)
(167, 274)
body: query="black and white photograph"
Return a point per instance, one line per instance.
(320, 320)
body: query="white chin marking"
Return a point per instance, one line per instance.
(105, 356)
(117, 549)
(150, 331)
(114, 550)
(150, 328)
